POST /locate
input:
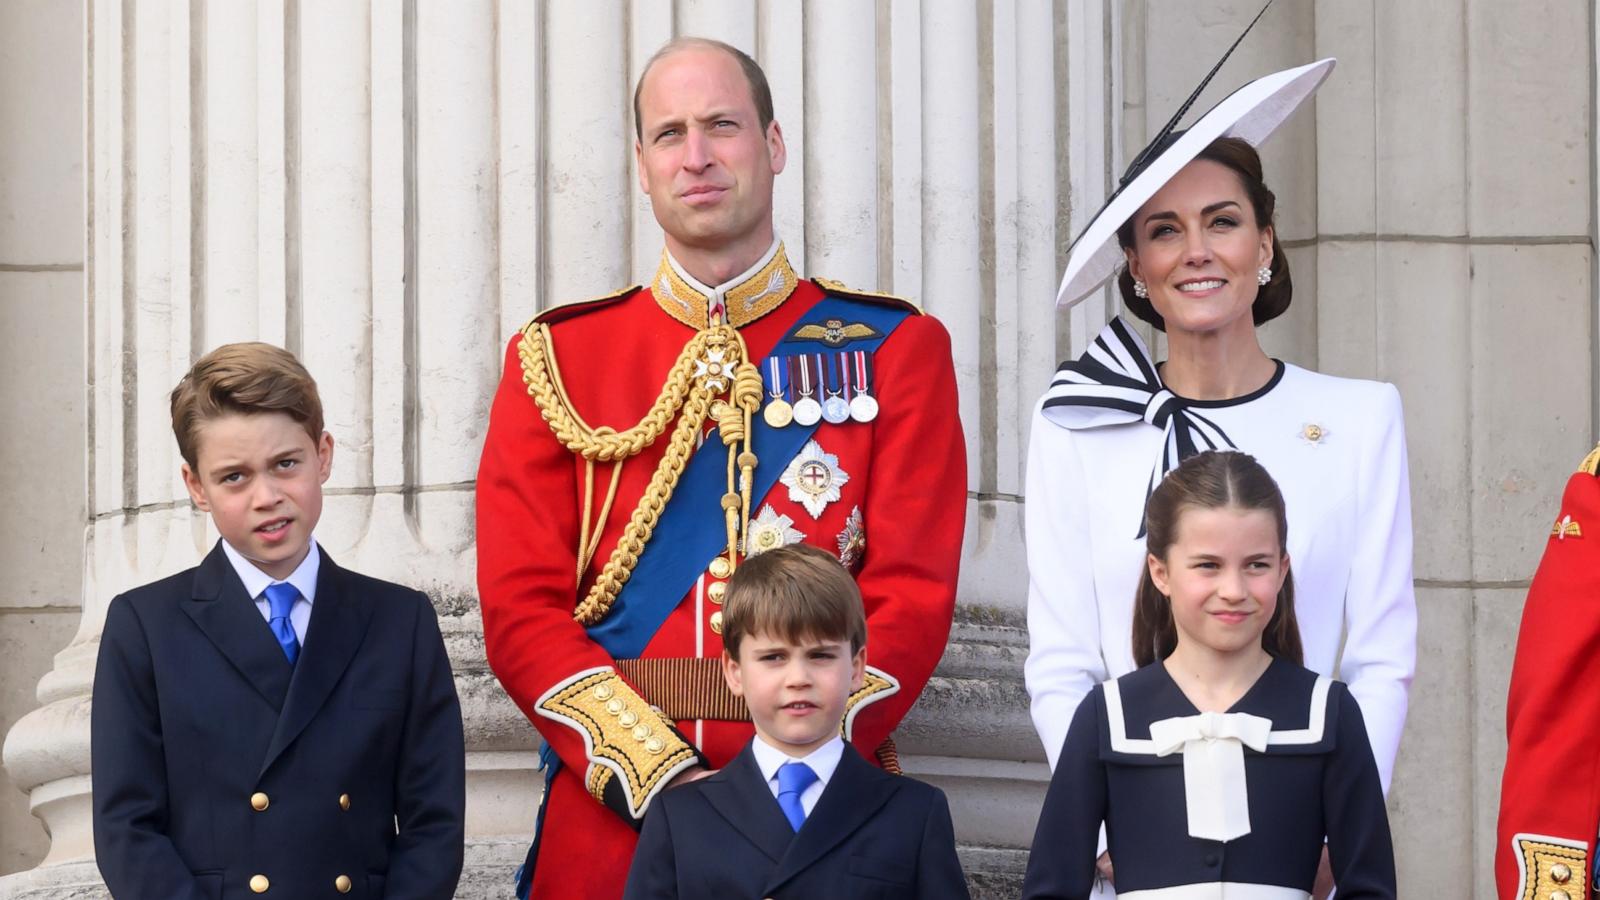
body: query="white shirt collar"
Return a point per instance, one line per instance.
(719, 293)
(822, 760)
(304, 577)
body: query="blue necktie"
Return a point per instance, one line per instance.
(280, 599)
(793, 779)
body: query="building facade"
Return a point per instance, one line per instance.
(390, 187)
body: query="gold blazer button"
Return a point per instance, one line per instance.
(259, 801)
(344, 802)
(259, 883)
(342, 884)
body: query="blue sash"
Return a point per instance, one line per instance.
(692, 530)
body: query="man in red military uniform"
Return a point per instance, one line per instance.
(642, 444)
(1550, 794)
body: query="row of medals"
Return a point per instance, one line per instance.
(808, 411)
(835, 410)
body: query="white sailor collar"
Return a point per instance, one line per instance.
(738, 301)
(1299, 704)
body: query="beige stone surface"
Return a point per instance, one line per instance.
(41, 155)
(1421, 325)
(1346, 203)
(1420, 184)
(42, 453)
(28, 642)
(1430, 805)
(1528, 117)
(1496, 615)
(1532, 396)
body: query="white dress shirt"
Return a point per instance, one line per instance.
(822, 761)
(1346, 489)
(304, 579)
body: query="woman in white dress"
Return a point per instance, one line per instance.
(1193, 228)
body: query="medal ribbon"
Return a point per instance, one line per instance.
(804, 368)
(776, 388)
(863, 369)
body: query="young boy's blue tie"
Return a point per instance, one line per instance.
(793, 779)
(280, 599)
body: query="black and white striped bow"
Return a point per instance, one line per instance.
(1115, 383)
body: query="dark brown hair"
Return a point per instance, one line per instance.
(760, 91)
(1273, 298)
(794, 593)
(1216, 479)
(242, 378)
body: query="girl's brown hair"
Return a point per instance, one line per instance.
(1273, 298)
(1224, 479)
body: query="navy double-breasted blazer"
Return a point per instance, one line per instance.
(872, 836)
(219, 769)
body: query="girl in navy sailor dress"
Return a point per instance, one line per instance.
(1221, 764)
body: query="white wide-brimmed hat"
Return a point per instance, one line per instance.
(1251, 114)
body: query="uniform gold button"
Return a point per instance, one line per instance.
(716, 622)
(1560, 895)
(615, 706)
(259, 883)
(602, 692)
(258, 801)
(655, 745)
(642, 732)
(344, 802)
(718, 591)
(342, 884)
(1560, 874)
(721, 568)
(628, 719)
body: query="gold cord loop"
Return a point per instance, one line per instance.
(713, 363)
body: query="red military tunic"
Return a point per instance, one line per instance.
(1550, 793)
(897, 522)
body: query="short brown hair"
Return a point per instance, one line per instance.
(1272, 300)
(793, 593)
(760, 91)
(244, 378)
(1216, 479)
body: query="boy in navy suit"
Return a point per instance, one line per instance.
(799, 813)
(269, 723)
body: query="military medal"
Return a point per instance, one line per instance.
(863, 406)
(807, 411)
(853, 540)
(835, 410)
(814, 478)
(770, 530)
(778, 412)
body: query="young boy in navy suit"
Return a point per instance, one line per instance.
(269, 723)
(799, 813)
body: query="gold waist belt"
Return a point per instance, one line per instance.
(685, 688)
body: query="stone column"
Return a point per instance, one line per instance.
(390, 188)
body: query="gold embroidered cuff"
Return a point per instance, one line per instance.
(877, 685)
(1552, 868)
(633, 750)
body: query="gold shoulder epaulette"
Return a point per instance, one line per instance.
(834, 287)
(1591, 463)
(568, 310)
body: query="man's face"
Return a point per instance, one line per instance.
(703, 157)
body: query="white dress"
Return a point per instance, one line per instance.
(1335, 446)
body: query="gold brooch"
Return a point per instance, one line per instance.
(1313, 433)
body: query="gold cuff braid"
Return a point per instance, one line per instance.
(713, 362)
(1591, 463)
(624, 736)
(1552, 870)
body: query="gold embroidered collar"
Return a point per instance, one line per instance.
(739, 301)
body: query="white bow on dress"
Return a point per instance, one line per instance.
(1213, 767)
